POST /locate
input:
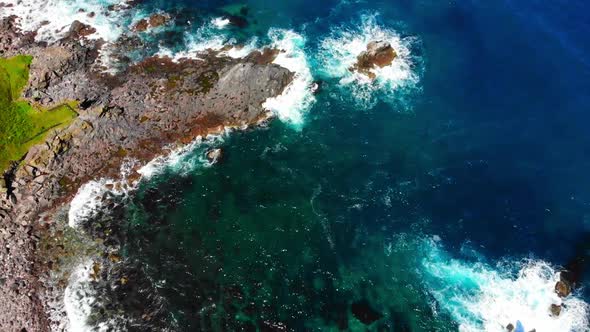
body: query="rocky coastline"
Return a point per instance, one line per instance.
(130, 115)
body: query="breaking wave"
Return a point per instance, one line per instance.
(209, 37)
(53, 18)
(183, 160)
(92, 196)
(79, 298)
(483, 297)
(298, 97)
(338, 53)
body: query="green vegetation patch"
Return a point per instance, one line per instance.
(21, 124)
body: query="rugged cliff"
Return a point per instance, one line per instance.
(132, 114)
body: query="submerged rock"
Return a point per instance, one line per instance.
(152, 22)
(363, 312)
(214, 155)
(157, 20)
(238, 21)
(379, 53)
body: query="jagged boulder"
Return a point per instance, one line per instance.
(154, 21)
(555, 310)
(563, 288)
(79, 29)
(379, 53)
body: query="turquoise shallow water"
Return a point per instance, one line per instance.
(444, 196)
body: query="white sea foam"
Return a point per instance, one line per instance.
(338, 53)
(85, 203)
(79, 298)
(89, 199)
(52, 18)
(185, 159)
(220, 22)
(297, 98)
(481, 297)
(206, 38)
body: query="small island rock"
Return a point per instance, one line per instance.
(379, 53)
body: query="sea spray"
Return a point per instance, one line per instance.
(207, 37)
(91, 197)
(220, 22)
(297, 98)
(77, 301)
(338, 52)
(483, 297)
(183, 160)
(52, 18)
(79, 298)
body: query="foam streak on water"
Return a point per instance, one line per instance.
(481, 297)
(338, 53)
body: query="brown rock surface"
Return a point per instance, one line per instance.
(555, 310)
(133, 114)
(154, 21)
(379, 53)
(157, 20)
(563, 289)
(141, 26)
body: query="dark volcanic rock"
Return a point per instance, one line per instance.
(133, 114)
(238, 21)
(79, 29)
(362, 311)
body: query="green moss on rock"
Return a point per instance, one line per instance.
(21, 124)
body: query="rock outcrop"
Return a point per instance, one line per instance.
(131, 115)
(363, 311)
(154, 21)
(562, 288)
(378, 54)
(214, 155)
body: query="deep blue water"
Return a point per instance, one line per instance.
(484, 160)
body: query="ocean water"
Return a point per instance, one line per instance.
(447, 195)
